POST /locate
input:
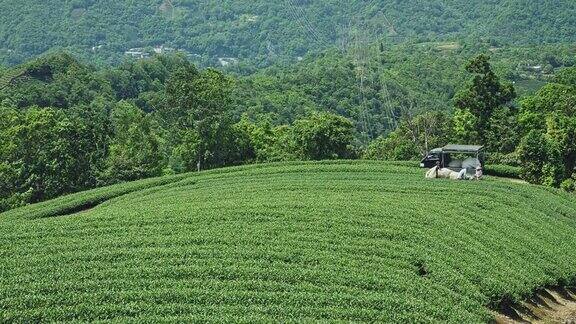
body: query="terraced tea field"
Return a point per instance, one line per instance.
(342, 241)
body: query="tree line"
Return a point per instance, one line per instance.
(67, 127)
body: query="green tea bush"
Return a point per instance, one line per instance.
(504, 171)
(569, 185)
(353, 241)
(88, 199)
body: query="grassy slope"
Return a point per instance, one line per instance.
(330, 241)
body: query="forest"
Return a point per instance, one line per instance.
(66, 126)
(218, 83)
(262, 33)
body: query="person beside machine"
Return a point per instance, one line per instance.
(479, 173)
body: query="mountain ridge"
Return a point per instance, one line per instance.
(261, 32)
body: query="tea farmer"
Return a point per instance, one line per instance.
(479, 173)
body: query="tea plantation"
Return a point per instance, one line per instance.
(338, 241)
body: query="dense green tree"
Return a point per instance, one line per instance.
(465, 127)
(394, 147)
(144, 81)
(552, 112)
(569, 184)
(180, 93)
(57, 80)
(427, 130)
(413, 138)
(323, 136)
(484, 96)
(96, 126)
(504, 132)
(44, 153)
(566, 76)
(137, 148)
(266, 142)
(539, 159)
(199, 111)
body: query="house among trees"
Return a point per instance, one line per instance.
(138, 53)
(227, 61)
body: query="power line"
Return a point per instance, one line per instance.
(360, 60)
(314, 30)
(364, 58)
(299, 16)
(292, 12)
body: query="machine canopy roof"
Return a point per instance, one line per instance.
(453, 148)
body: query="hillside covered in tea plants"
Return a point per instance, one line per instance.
(328, 241)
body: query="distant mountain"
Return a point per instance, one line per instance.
(261, 31)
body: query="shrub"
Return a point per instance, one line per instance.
(323, 136)
(569, 185)
(501, 170)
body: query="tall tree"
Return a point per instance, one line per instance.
(552, 112)
(199, 108)
(137, 146)
(323, 136)
(484, 95)
(44, 153)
